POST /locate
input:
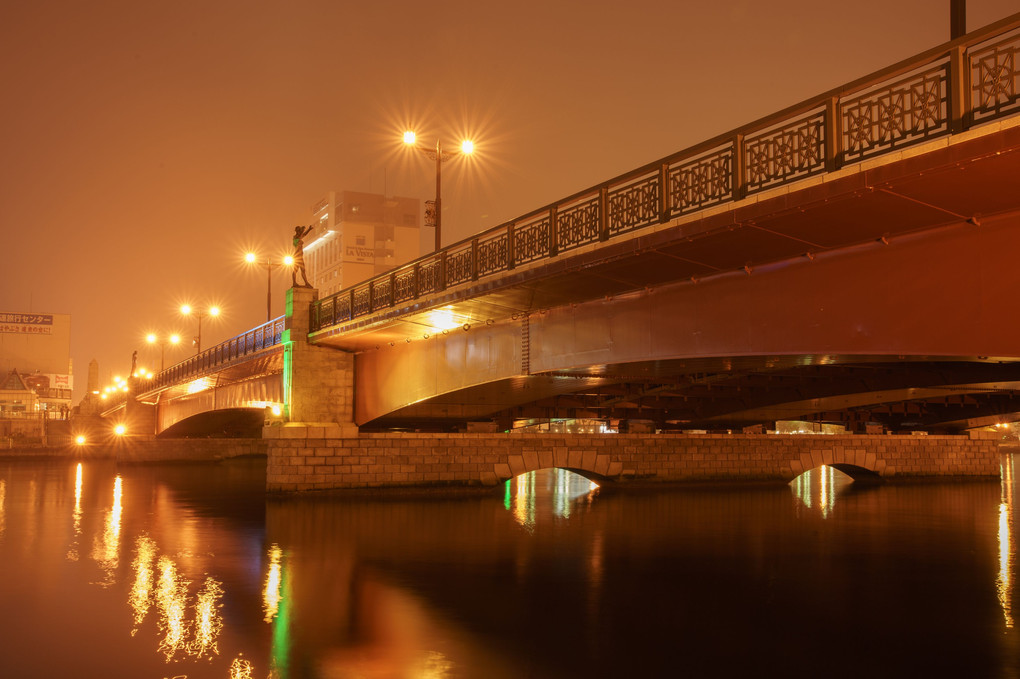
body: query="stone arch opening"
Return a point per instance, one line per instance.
(548, 493)
(227, 423)
(857, 473)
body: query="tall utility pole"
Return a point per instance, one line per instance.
(957, 18)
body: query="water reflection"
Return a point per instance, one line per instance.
(272, 592)
(818, 488)
(1007, 555)
(171, 601)
(241, 669)
(106, 551)
(548, 491)
(208, 621)
(542, 579)
(3, 506)
(140, 598)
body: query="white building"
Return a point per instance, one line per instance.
(358, 235)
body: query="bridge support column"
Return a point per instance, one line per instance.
(318, 383)
(139, 418)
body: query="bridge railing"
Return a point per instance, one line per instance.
(969, 81)
(247, 343)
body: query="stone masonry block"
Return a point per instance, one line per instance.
(816, 458)
(517, 465)
(615, 469)
(545, 458)
(531, 461)
(560, 457)
(574, 459)
(806, 462)
(602, 463)
(588, 460)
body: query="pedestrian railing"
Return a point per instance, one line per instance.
(949, 89)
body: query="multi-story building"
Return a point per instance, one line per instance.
(358, 235)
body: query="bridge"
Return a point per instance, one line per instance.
(846, 260)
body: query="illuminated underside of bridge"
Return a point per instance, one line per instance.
(950, 214)
(850, 259)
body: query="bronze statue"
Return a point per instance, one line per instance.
(299, 257)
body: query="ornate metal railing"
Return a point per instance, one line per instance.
(246, 344)
(946, 90)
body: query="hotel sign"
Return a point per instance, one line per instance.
(26, 324)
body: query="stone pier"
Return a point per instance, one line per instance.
(307, 458)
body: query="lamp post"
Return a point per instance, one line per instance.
(186, 310)
(252, 258)
(152, 338)
(467, 147)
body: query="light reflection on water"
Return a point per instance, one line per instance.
(551, 577)
(1007, 552)
(818, 488)
(547, 491)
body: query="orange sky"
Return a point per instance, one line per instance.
(144, 146)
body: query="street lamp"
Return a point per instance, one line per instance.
(252, 258)
(152, 338)
(186, 310)
(467, 147)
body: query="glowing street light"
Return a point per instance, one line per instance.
(187, 310)
(252, 258)
(467, 147)
(152, 338)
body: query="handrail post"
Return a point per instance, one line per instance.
(553, 236)
(393, 287)
(441, 283)
(833, 135)
(511, 260)
(474, 259)
(350, 307)
(665, 193)
(958, 96)
(416, 281)
(604, 213)
(739, 168)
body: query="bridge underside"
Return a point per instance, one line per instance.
(231, 401)
(882, 295)
(938, 396)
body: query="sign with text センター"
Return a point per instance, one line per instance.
(33, 342)
(26, 324)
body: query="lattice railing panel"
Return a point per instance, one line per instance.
(458, 266)
(634, 205)
(493, 253)
(362, 300)
(382, 293)
(995, 80)
(403, 285)
(428, 277)
(578, 224)
(794, 151)
(905, 112)
(702, 182)
(531, 240)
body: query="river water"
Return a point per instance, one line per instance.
(110, 570)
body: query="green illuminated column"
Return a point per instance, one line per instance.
(318, 382)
